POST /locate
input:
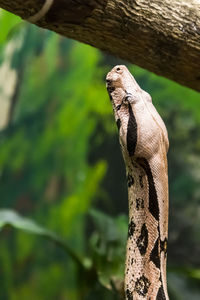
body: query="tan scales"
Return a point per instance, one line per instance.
(144, 142)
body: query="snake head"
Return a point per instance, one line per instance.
(120, 83)
(138, 121)
(122, 88)
(123, 91)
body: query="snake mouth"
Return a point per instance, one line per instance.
(110, 87)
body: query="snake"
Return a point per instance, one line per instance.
(144, 143)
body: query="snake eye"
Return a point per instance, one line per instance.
(119, 70)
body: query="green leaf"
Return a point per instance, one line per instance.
(109, 244)
(7, 23)
(180, 287)
(12, 218)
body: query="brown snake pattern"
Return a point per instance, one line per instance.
(144, 142)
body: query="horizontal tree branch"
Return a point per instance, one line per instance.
(160, 36)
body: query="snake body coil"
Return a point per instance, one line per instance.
(144, 142)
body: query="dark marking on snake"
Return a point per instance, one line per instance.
(110, 88)
(163, 246)
(131, 137)
(161, 294)
(153, 198)
(141, 181)
(142, 241)
(118, 107)
(129, 295)
(131, 228)
(127, 97)
(130, 180)
(139, 203)
(110, 96)
(142, 285)
(155, 255)
(134, 164)
(118, 122)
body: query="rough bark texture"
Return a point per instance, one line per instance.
(160, 36)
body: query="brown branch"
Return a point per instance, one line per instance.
(160, 36)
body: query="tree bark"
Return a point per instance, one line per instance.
(160, 36)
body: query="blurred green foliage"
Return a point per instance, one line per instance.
(60, 165)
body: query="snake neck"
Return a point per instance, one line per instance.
(145, 273)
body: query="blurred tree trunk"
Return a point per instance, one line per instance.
(161, 36)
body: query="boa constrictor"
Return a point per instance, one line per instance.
(144, 143)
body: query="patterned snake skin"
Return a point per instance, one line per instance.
(144, 143)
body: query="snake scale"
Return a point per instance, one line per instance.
(144, 142)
